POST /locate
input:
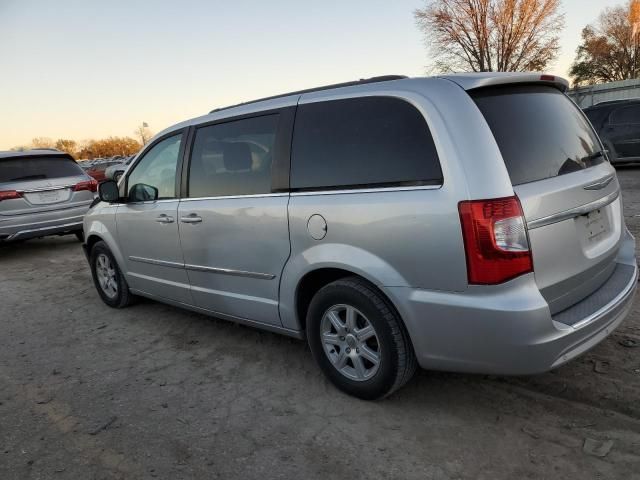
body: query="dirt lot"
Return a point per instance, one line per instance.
(152, 391)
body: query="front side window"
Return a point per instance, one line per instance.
(233, 158)
(157, 168)
(626, 116)
(362, 142)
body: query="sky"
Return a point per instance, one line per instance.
(83, 69)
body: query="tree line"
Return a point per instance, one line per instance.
(524, 35)
(90, 149)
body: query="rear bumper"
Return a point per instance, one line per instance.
(508, 329)
(22, 227)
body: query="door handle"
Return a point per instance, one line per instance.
(193, 218)
(164, 219)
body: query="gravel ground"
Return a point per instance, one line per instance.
(156, 392)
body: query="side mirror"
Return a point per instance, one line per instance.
(141, 192)
(108, 191)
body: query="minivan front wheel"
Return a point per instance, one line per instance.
(358, 339)
(107, 277)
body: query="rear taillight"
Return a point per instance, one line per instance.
(90, 185)
(495, 240)
(9, 195)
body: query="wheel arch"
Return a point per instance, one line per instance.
(92, 237)
(318, 278)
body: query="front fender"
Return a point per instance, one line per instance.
(331, 255)
(101, 222)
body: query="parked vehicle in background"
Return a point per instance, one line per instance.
(42, 192)
(114, 172)
(468, 222)
(98, 169)
(618, 125)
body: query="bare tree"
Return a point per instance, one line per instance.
(42, 142)
(69, 146)
(491, 35)
(143, 133)
(20, 148)
(610, 48)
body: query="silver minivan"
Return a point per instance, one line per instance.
(469, 223)
(42, 192)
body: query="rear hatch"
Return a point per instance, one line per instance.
(34, 184)
(568, 190)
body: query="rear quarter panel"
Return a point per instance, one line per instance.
(401, 237)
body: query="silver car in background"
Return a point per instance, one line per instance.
(115, 172)
(467, 222)
(42, 192)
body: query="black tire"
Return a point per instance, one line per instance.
(80, 235)
(397, 358)
(123, 296)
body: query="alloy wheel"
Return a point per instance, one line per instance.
(350, 342)
(106, 273)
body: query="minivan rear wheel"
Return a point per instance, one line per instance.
(358, 339)
(107, 277)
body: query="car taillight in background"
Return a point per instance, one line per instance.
(495, 240)
(90, 185)
(9, 195)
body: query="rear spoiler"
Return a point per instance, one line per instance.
(35, 154)
(471, 81)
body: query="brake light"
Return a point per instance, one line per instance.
(9, 195)
(90, 185)
(495, 240)
(548, 78)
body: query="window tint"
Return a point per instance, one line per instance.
(233, 158)
(540, 132)
(362, 142)
(626, 116)
(38, 168)
(158, 167)
(597, 116)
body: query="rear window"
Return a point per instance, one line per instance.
(362, 142)
(37, 168)
(540, 132)
(597, 116)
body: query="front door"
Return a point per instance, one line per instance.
(148, 224)
(233, 229)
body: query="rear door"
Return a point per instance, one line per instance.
(623, 129)
(233, 225)
(568, 190)
(42, 183)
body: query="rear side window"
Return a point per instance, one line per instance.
(540, 132)
(38, 168)
(362, 142)
(233, 158)
(625, 116)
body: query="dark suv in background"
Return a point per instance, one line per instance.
(618, 125)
